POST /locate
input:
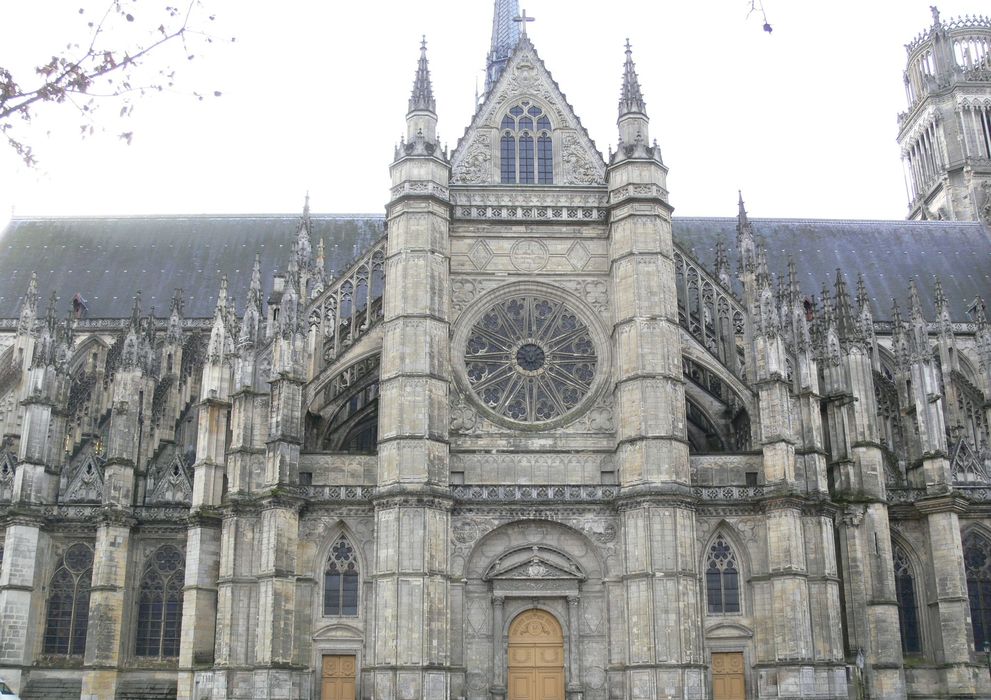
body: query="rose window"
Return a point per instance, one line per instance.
(530, 359)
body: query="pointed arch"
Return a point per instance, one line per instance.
(722, 572)
(341, 579)
(977, 564)
(907, 595)
(67, 616)
(159, 620)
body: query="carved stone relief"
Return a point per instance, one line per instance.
(476, 167)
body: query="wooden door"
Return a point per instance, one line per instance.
(727, 676)
(536, 657)
(339, 673)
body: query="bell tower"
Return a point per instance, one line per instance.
(945, 134)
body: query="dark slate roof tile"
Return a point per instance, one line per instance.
(107, 259)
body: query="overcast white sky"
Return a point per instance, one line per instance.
(314, 98)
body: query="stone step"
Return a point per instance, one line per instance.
(53, 689)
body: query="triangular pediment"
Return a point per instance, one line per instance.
(529, 563)
(526, 78)
(86, 483)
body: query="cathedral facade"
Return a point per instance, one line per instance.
(526, 437)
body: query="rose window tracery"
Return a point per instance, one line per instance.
(530, 359)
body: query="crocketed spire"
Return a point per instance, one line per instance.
(422, 99)
(505, 37)
(631, 97)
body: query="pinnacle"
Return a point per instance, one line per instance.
(631, 98)
(896, 316)
(939, 296)
(862, 298)
(422, 99)
(916, 312)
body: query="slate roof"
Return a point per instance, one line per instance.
(888, 253)
(107, 259)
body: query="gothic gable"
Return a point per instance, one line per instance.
(85, 484)
(170, 481)
(476, 159)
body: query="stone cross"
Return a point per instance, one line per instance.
(523, 19)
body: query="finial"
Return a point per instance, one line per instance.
(896, 317)
(136, 311)
(913, 291)
(177, 302)
(862, 298)
(422, 98)
(793, 286)
(631, 98)
(222, 294)
(939, 296)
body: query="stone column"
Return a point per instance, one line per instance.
(574, 657)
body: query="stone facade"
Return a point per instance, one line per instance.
(528, 395)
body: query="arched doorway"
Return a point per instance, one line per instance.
(536, 657)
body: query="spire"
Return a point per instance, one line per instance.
(505, 36)
(422, 99)
(631, 98)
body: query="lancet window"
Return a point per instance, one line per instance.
(67, 618)
(526, 151)
(160, 604)
(908, 610)
(340, 580)
(977, 562)
(722, 579)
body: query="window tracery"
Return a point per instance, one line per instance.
(67, 618)
(340, 582)
(530, 359)
(908, 612)
(526, 150)
(160, 604)
(977, 562)
(722, 579)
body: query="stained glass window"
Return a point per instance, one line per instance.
(160, 604)
(340, 582)
(908, 612)
(722, 579)
(977, 561)
(67, 617)
(530, 359)
(527, 153)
